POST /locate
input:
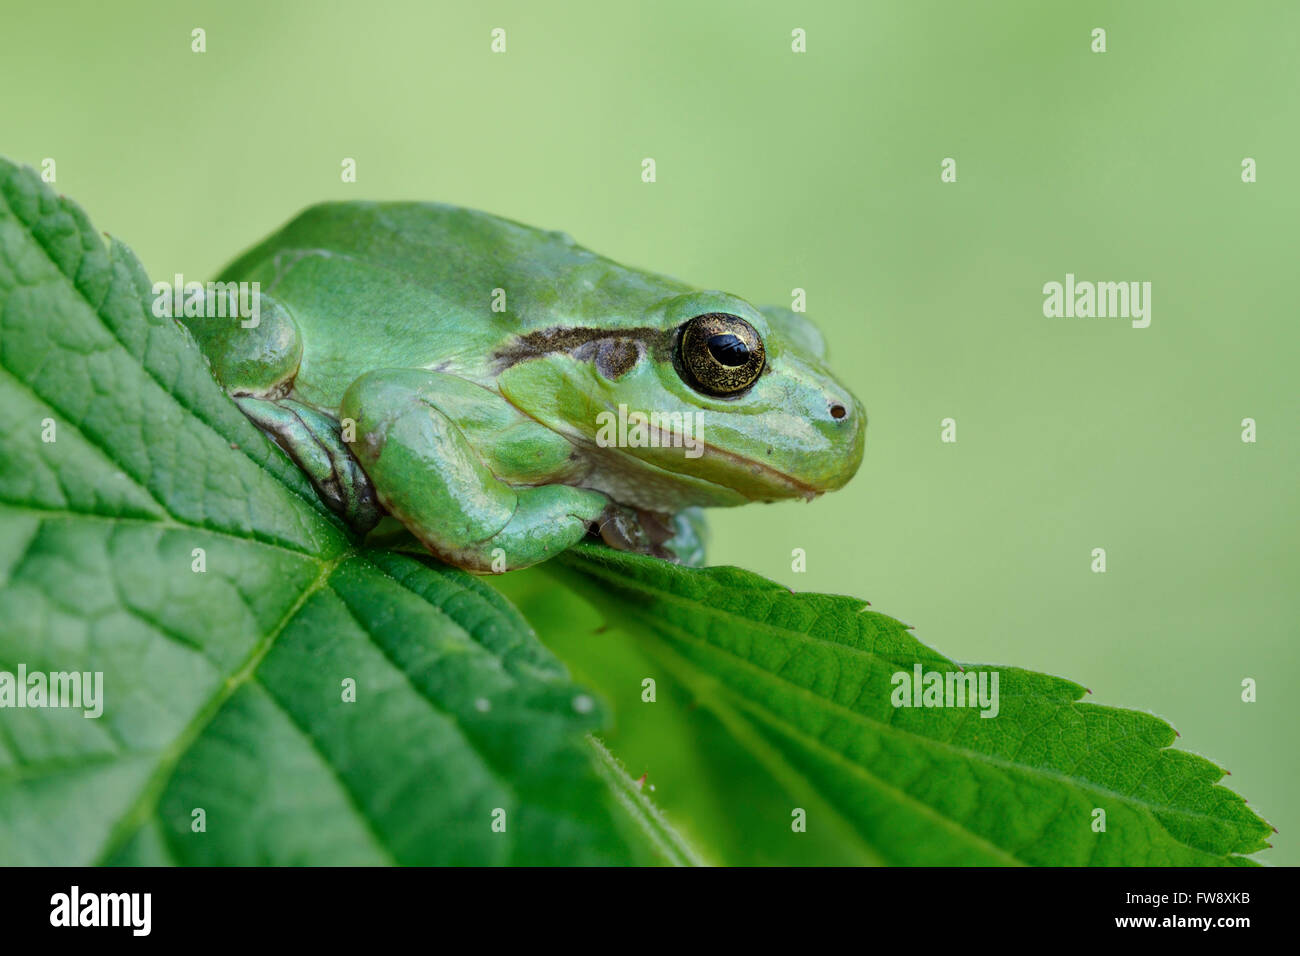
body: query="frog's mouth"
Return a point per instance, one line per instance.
(642, 479)
(766, 483)
(766, 475)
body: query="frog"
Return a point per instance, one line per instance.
(500, 392)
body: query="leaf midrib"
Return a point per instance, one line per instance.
(146, 803)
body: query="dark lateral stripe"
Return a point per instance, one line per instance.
(568, 339)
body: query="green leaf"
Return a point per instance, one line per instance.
(161, 540)
(223, 688)
(803, 684)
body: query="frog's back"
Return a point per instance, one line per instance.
(379, 285)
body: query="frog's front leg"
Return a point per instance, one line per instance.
(474, 479)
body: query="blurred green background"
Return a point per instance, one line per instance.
(821, 171)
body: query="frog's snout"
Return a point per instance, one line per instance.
(845, 425)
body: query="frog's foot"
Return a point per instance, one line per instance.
(313, 440)
(429, 476)
(679, 538)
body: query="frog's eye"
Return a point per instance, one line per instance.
(719, 354)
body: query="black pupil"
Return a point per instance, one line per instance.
(728, 349)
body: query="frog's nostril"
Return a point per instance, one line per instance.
(838, 411)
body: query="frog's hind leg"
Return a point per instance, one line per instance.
(680, 538)
(315, 443)
(256, 357)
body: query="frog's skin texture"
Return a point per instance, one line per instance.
(381, 366)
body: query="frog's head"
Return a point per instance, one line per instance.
(701, 400)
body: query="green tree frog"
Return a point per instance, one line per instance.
(502, 391)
